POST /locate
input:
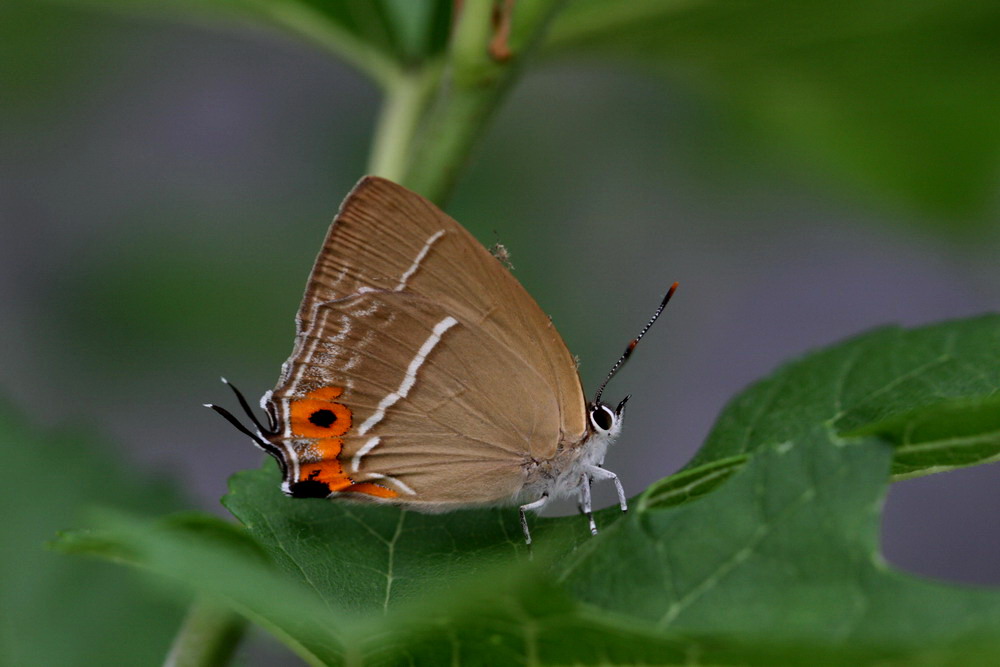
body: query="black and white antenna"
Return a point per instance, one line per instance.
(635, 341)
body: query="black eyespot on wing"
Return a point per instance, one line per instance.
(309, 488)
(323, 418)
(601, 417)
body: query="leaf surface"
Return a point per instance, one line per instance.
(786, 549)
(930, 391)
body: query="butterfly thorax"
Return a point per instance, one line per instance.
(562, 475)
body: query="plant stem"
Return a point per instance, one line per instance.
(207, 638)
(428, 127)
(407, 97)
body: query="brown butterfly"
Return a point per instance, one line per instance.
(424, 375)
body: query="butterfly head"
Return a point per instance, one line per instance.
(604, 421)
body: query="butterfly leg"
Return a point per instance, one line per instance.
(585, 502)
(535, 506)
(598, 473)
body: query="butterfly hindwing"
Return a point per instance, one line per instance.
(422, 406)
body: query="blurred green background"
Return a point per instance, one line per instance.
(804, 174)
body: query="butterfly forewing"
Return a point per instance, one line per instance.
(386, 237)
(422, 370)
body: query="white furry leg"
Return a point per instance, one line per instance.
(598, 473)
(585, 503)
(535, 506)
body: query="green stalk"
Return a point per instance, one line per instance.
(407, 98)
(450, 118)
(207, 638)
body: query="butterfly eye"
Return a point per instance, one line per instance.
(602, 418)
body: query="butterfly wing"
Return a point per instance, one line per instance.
(420, 359)
(386, 237)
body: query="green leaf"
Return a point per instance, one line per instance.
(948, 435)
(468, 618)
(527, 620)
(364, 558)
(691, 483)
(786, 549)
(421, 29)
(928, 390)
(67, 611)
(766, 553)
(378, 36)
(893, 97)
(219, 561)
(777, 566)
(401, 30)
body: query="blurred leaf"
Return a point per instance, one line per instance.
(528, 620)
(478, 620)
(421, 28)
(929, 390)
(898, 97)
(378, 36)
(209, 531)
(59, 610)
(213, 559)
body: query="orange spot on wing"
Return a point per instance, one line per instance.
(329, 448)
(326, 393)
(317, 416)
(371, 489)
(328, 469)
(328, 472)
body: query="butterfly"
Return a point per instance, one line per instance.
(424, 375)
